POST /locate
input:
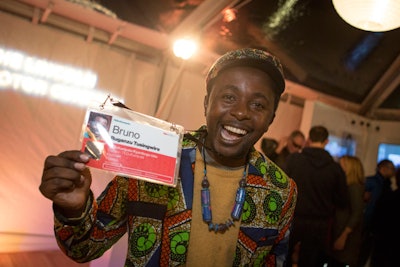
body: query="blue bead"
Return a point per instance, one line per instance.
(206, 212)
(240, 195)
(236, 211)
(205, 196)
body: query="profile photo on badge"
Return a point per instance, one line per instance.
(98, 126)
(97, 130)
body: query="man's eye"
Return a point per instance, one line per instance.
(228, 97)
(258, 105)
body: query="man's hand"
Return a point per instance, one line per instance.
(66, 181)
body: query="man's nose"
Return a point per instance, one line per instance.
(240, 111)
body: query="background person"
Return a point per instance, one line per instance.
(169, 226)
(347, 225)
(288, 145)
(386, 221)
(322, 187)
(373, 190)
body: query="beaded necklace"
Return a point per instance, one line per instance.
(206, 202)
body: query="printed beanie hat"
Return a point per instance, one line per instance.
(249, 57)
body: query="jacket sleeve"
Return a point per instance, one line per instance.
(102, 224)
(279, 253)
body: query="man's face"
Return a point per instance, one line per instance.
(239, 110)
(295, 144)
(388, 170)
(102, 121)
(98, 121)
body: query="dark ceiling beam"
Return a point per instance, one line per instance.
(236, 5)
(295, 69)
(195, 22)
(387, 114)
(386, 93)
(388, 82)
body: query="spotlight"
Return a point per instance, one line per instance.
(184, 48)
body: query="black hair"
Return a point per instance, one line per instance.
(384, 163)
(296, 133)
(318, 134)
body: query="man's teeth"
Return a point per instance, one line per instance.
(235, 130)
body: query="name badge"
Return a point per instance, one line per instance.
(132, 144)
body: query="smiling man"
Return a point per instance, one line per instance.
(232, 206)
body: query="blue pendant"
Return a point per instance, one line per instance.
(239, 201)
(205, 205)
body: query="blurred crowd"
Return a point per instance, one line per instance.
(342, 217)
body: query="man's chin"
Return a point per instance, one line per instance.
(226, 155)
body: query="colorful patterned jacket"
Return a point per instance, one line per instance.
(158, 218)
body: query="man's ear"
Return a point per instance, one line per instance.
(205, 104)
(325, 142)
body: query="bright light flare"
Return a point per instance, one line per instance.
(185, 48)
(105, 135)
(229, 15)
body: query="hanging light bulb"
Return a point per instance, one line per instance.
(370, 15)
